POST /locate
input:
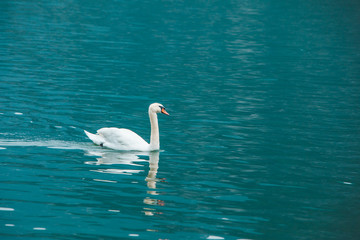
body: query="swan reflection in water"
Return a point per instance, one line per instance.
(110, 157)
(152, 180)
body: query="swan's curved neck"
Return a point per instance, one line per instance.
(154, 137)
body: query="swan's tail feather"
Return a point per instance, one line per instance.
(97, 139)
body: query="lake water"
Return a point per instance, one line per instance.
(262, 141)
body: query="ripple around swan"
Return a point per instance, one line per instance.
(45, 143)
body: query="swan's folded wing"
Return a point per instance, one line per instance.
(122, 139)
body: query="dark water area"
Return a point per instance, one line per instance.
(262, 141)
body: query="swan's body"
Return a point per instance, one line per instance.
(125, 139)
(118, 138)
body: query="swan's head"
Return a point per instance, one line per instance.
(157, 108)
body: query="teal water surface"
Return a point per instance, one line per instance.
(262, 141)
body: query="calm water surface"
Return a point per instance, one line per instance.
(262, 141)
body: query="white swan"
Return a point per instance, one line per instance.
(125, 139)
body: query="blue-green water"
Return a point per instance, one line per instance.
(262, 141)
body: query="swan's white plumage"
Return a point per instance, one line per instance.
(97, 139)
(122, 139)
(125, 139)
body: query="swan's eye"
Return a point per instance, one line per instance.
(163, 110)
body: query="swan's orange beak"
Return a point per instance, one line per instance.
(164, 111)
